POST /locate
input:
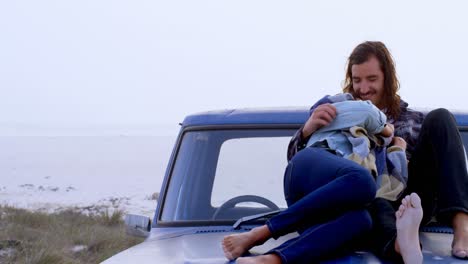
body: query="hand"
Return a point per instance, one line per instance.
(323, 115)
(391, 127)
(400, 142)
(388, 130)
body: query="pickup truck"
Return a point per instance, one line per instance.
(225, 175)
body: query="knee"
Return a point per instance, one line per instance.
(439, 122)
(437, 116)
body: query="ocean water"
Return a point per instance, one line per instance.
(46, 172)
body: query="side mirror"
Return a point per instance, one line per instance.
(137, 225)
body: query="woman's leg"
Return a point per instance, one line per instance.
(438, 173)
(319, 187)
(318, 242)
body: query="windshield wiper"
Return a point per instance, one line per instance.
(248, 218)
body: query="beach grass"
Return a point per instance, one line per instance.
(68, 236)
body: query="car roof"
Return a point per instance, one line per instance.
(248, 116)
(278, 115)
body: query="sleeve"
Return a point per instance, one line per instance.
(409, 128)
(397, 164)
(297, 142)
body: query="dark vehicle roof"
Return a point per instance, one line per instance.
(284, 115)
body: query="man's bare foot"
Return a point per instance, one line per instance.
(262, 259)
(408, 219)
(460, 235)
(237, 244)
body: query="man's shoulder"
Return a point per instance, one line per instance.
(410, 111)
(407, 114)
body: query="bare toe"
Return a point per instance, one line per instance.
(462, 254)
(398, 214)
(405, 200)
(460, 235)
(415, 200)
(401, 208)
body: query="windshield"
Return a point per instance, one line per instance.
(224, 175)
(227, 174)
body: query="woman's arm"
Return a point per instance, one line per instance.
(322, 114)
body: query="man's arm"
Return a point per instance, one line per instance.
(408, 126)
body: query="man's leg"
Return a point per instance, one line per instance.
(382, 238)
(438, 174)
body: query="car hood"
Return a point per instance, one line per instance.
(200, 248)
(185, 245)
(203, 246)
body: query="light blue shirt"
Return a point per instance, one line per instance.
(349, 114)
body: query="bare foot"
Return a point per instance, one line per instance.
(460, 235)
(237, 244)
(262, 259)
(408, 219)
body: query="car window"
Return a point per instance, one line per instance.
(251, 166)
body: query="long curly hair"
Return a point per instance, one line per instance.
(360, 54)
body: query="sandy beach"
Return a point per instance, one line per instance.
(88, 172)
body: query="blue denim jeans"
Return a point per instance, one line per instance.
(326, 196)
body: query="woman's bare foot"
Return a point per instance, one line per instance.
(237, 244)
(460, 235)
(262, 259)
(408, 219)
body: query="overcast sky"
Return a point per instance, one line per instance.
(88, 62)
